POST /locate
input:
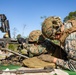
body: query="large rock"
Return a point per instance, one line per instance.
(37, 63)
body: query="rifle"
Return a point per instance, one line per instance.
(29, 71)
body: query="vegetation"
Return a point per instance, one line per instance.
(71, 15)
(19, 35)
(10, 66)
(13, 47)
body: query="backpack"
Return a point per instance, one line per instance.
(66, 33)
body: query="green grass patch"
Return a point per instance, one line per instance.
(70, 72)
(13, 46)
(3, 67)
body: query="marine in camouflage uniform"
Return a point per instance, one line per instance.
(70, 49)
(69, 46)
(38, 44)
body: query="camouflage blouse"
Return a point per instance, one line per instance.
(45, 47)
(70, 44)
(70, 49)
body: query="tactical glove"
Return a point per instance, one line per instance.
(46, 57)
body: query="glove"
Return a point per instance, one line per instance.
(46, 57)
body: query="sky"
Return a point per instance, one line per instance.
(25, 15)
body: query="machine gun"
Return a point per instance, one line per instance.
(5, 28)
(4, 25)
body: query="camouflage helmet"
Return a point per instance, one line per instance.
(36, 36)
(6, 35)
(51, 26)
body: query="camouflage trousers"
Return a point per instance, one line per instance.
(69, 64)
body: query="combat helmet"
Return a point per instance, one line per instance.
(51, 26)
(6, 35)
(36, 36)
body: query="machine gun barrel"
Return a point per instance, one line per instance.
(11, 41)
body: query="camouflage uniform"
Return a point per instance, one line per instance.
(42, 45)
(69, 47)
(41, 48)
